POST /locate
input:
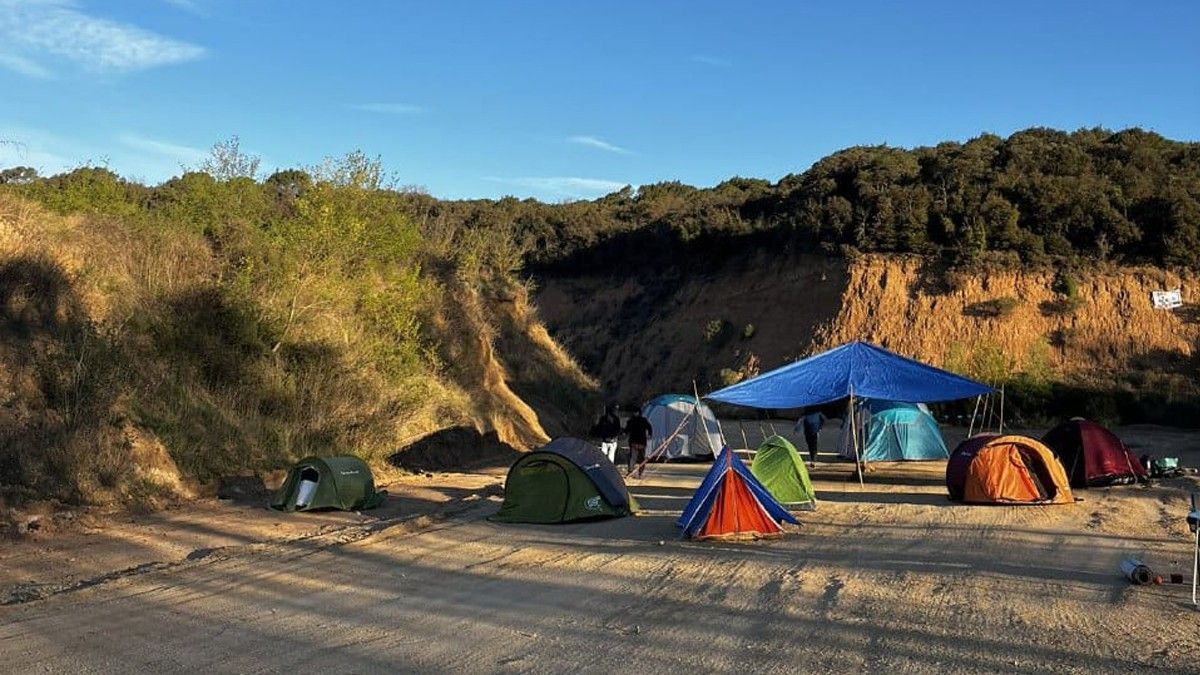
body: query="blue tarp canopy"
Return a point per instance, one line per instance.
(857, 368)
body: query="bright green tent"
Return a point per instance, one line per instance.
(341, 483)
(564, 481)
(779, 468)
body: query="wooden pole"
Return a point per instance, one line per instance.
(854, 438)
(1002, 410)
(971, 429)
(703, 424)
(745, 443)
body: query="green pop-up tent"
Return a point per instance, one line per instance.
(778, 466)
(343, 482)
(564, 481)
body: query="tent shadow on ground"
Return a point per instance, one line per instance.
(651, 529)
(660, 498)
(460, 447)
(869, 497)
(457, 586)
(845, 473)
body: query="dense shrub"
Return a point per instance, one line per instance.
(996, 308)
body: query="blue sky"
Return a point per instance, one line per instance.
(566, 99)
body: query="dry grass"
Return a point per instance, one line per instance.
(139, 363)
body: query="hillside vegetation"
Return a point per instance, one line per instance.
(157, 338)
(1039, 195)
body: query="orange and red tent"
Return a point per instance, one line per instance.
(732, 504)
(992, 469)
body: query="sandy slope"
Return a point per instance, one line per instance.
(890, 577)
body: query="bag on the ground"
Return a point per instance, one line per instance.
(1162, 467)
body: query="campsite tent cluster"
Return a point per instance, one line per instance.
(886, 395)
(570, 480)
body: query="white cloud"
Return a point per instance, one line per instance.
(714, 61)
(565, 186)
(593, 142)
(32, 30)
(184, 154)
(186, 5)
(21, 65)
(389, 108)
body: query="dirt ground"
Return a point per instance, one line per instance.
(889, 577)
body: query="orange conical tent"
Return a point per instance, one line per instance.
(732, 504)
(991, 469)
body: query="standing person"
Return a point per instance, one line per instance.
(811, 423)
(607, 430)
(638, 429)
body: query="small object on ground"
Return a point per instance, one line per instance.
(1137, 572)
(1162, 467)
(1176, 578)
(661, 542)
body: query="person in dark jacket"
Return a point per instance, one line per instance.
(811, 423)
(638, 429)
(607, 430)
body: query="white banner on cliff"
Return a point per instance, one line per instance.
(1168, 299)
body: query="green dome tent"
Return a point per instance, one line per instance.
(564, 481)
(328, 483)
(777, 465)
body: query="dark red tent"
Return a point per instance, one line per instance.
(1093, 455)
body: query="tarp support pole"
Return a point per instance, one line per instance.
(854, 437)
(745, 443)
(1001, 409)
(971, 429)
(703, 424)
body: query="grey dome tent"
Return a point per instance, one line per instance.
(682, 427)
(314, 483)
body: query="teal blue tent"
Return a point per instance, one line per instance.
(897, 431)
